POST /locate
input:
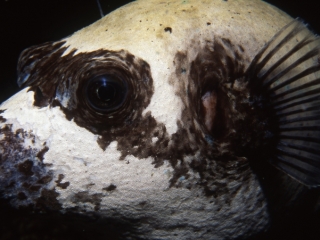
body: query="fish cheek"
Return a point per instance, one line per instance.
(25, 178)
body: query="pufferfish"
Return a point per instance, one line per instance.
(167, 115)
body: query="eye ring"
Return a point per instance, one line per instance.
(106, 93)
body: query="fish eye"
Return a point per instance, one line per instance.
(106, 93)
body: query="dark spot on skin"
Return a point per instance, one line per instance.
(208, 23)
(21, 196)
(26, 167)
(31, 188)
(143, 203)
(84, 197)
(43, 151)
(111, 187)
(168, 29)
(2, 119)
(20, 133)
(89, 185)
(40, 100)
(62, 185)
(45, 180)
(48, 200)
(11, 184)
(21, 178)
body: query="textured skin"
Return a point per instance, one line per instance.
(50, 161)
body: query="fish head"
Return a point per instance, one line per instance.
(147, 115)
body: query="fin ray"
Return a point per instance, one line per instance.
(301, 147)
(299, 119)
(289, 68)
(301, 95)
(285, 57)
(310, 179)
(285, 81)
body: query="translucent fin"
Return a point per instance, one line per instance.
(286, 72)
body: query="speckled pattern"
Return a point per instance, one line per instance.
(153, 162)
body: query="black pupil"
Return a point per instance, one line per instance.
(106, 93)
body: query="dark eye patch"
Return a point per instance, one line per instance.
(99, 89)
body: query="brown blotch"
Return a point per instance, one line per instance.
(62, 185)
(11, 184)
(84, 197)
(111, 187)
(26, 168)
(21, 178)
(142, 203)
(48, 200)
(168, 29)
(45, 180)
(2, 119)
(31, 188)
(22, 196)
(43, 151)
(20, 133)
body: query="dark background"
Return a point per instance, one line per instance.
(24, 23)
